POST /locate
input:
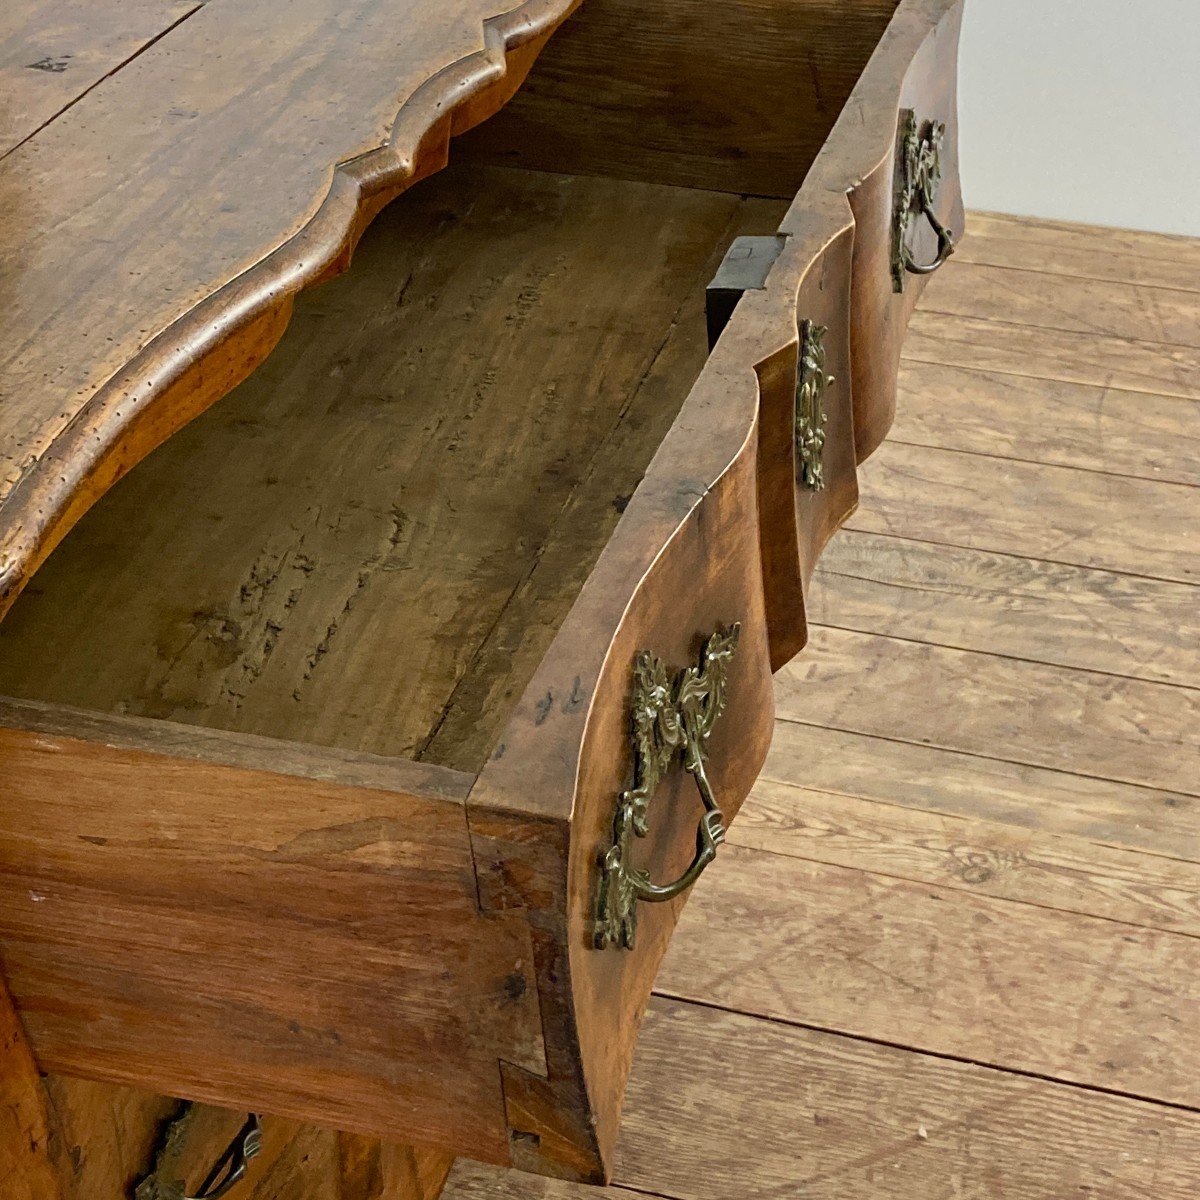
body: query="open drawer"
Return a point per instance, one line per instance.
(364, 739)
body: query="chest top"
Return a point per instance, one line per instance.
(155, 211)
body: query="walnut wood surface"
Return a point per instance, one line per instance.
(706, 575)
(26, 1170)
(173, 212)
(918, 52)
(736, 97)
(797, 522)
(53, 52)
(563, 748)
(295, 944)
(446, 505)
(685, 556)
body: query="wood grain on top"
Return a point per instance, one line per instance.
(52, 52)
(184, 171)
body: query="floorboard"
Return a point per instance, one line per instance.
(997, 344)
(1100, 308)
(1123, 255)
(945, 970)
(1080, 721)
(801, 1113)
(1006, 604)
(1089, 426)
(987, 858)
(928, 778)
(1084, 518)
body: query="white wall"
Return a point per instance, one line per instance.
(1083, 110)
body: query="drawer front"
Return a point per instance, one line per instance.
(807, 471)
(680, 725)
(903, 202)
(663, 662)
(893, 154)
(593, 814)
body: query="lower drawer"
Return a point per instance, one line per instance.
(123, 1143)
(903, 187)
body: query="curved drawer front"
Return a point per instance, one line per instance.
(894, 154)
(893, 235)
(823, 323)
(680, 725)
(655, 695)
(755, 476)
(808, 483)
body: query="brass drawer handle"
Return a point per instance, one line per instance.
(668, 718)
(230, 1168)
(228, 1171)
(811, 382)
(918, 174)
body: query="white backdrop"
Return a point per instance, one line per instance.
(1083, 110)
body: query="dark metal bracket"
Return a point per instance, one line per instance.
(228, 1171)
(744, 268)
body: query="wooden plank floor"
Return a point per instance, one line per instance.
(953, 947)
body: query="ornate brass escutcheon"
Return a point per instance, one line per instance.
(668, 718)
(811, 382)
(228, 1171)
(918, 173)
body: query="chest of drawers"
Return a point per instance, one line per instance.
(364, 740)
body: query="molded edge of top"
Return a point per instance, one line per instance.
(180, 372)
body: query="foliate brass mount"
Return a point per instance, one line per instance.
(811, 382)
(668, 718)
(228, 1171)
(918, 174)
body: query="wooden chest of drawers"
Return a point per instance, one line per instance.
(349, 730)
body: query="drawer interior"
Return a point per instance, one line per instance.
(737, 96)
(371, 542)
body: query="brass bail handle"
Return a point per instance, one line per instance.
(710, 833)
(161, 1183)
(230, 1169)
(668, 718)
(945, 246)
(918, 174)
